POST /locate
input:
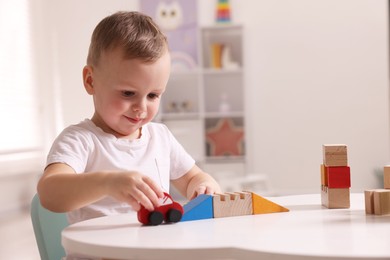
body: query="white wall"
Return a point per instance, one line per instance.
(72, 24)
(316, 72)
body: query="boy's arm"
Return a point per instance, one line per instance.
(60, 189)
(196, 182)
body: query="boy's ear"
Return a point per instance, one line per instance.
(88, 79)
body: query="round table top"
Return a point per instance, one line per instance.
(307, 231)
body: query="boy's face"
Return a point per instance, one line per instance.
(126, 93)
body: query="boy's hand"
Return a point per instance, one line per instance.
(196, 182)
(134, 189)
(205, 188)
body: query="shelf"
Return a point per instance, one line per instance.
(185, 73)
(224, 115)
(198, 100)
(222, 46)
(194, 115)
(211, 71)
(225, 159)
(218, 27)
(180, 116)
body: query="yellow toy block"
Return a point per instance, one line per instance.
(386, 177)
(262, 205)
(324, 179)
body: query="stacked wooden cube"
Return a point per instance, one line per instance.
(335, 177)
(377, 201)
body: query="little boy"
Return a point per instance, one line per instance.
(119, 159)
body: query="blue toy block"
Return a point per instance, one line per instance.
(199, 208)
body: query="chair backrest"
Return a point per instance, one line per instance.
(47, 228)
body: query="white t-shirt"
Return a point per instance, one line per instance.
(87, 148)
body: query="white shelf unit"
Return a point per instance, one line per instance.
(193, 99)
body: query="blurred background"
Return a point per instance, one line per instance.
(302, 73)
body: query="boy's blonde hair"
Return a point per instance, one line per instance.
(135, 33)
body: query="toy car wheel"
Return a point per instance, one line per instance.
(155, 218)
(174, 215)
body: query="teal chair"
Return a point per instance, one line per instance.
(47, 228)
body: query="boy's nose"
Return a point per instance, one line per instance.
(140, 106)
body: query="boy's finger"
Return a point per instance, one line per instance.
(150, 194)
(201, 190)
(143, 199)
(156, 188)
(193, 196)
(209, 191)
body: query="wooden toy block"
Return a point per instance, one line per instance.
(335, 155)
(335, 198)
(369, 201)
(227, 205)
(382, 202)
(199, 208)
(386, 177)
(244, 206)
(324, 179)
(232, 204)
(262, 205)
(338, 177)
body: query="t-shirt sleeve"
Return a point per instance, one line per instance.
(72, 148)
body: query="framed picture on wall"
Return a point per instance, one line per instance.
(224, 137)
(178, 19)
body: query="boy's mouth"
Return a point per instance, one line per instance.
(136, 119)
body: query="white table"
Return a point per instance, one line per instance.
(308, 231)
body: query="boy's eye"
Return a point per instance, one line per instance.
(127, 93)
(153, 95)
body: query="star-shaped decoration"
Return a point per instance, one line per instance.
(225, 138)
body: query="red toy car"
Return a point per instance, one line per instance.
(168, 211)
